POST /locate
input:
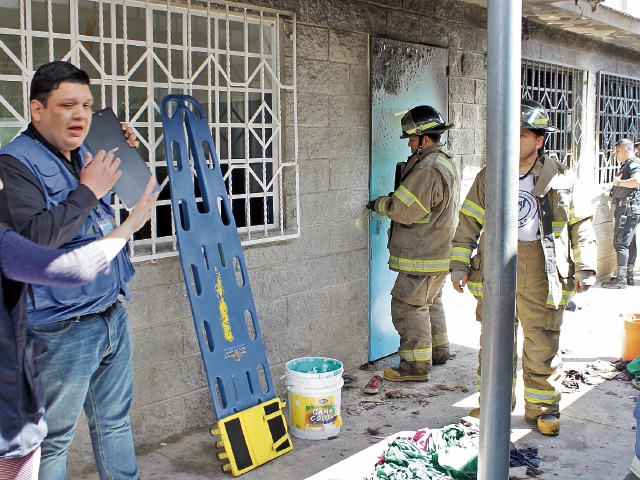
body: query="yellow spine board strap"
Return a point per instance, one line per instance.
(244, 437)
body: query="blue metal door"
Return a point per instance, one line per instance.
(403, 75)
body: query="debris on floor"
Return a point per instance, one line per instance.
(602, 369)
(348, 379)
(572, 307)
(573, 379)
(398, 394)
(527, 456)
(534, 472)
(593, 374)
(620, 364)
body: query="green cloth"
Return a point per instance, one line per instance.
(451, 454)
(634, 367)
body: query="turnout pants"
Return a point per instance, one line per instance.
(418, 316)
(541, 361)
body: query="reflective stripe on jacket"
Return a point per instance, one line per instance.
(574, 236)
(424, 213)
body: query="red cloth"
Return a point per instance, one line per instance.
(422, 437)
(22, 468)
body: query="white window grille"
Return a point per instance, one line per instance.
(231, 58)
(618, 117)
(559, 88)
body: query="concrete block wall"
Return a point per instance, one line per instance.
(312, 292)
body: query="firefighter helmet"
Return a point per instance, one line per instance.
(533, 116)
(422, 120)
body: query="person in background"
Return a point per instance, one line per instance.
(22, 403)
(625, 195)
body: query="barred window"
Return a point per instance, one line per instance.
(230, 58)
(618, 111)
(559, 89)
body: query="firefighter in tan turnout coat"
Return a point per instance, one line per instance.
(424, 213)
(556, 257)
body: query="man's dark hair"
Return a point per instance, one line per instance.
(538, 132)
(49, 76)
(626, 144)
(435, 137)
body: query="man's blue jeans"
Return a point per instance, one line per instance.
(88, 366)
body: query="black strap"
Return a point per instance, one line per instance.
(548, 244)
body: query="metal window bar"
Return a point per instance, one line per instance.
(137, 51)
(559, 88)
(618, 111)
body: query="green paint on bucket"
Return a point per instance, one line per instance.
(315, 365)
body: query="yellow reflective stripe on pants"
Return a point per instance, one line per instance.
(541, 396)
(476, 289)
(422, 266)
(470, 209)
(417, 355)
(461, 254)
(439, 340)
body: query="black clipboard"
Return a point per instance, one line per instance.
(106, 134)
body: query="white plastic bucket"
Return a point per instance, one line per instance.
(314, 385)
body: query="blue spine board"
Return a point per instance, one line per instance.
(208, 246)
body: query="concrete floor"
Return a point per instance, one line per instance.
(596, 440)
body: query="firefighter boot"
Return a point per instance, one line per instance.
(630, 268)
(548, 425)
(396, 374)
(617, 282)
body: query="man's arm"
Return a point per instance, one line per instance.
(24, 261)
(23, 208)
(414, 198)
(633, 182)
(465, 240)
(583, 238)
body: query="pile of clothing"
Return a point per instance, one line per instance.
(444, 453)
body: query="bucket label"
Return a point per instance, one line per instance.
(312, 414)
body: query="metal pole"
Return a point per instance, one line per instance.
(501, 226)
